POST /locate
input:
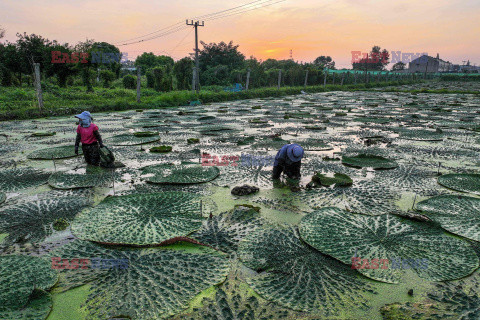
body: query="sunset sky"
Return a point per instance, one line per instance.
(308, 27)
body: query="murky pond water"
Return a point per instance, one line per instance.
(274, 268)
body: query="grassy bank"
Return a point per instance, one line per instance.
(436, 91)
(21, 103)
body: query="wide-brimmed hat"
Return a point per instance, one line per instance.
(295, 152)
(84, 115)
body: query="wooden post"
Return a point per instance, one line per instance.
(139, 82)
(248, 80)
(306, 79)
(38, 86)
(355, 77)
(194, 78)
(343, 78)
(333, 82)
(378, 77)
(325, 77)
(279, 79)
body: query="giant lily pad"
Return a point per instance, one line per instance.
(226, 230)
(183, 174)
(131, 140)
(234, 300)
(459, 215)
(369, 161)
(62, 180)
(422, 135)
(20, 276)
(339, 180)
(298, 277)
(140, 219)
(148, 284)
(38, 308)
(54, 153)
(461, 182)
(395, 244)
(21, 178)
(32, 221)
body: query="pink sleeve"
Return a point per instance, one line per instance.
(95, 128)
(78, 129)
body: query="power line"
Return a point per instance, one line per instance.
(181, 23)
(180, 28)
(244, 10)
(148, 34)
(181, 41)
(223, 11)
(208, 17)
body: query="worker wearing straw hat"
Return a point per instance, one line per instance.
(288, 160)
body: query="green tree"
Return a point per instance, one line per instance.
(9, 64)
(162, 78)
(107, 77)
(217, 61)
(376, 60)
(105, 56)
(183, 72)
(150, 79)
(129, 82)
(60, 70)
(398, 66)
(85, 66)
(148, 61)
(31, 49)
(324, 62)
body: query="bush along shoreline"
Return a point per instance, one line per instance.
(21, 103)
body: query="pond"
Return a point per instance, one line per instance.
(383, 224)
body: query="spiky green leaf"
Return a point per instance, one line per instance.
(33, 221)
(457, 214)
(140, 219)
(461, 182)
(298, 277)
(54, 153)
(157, 283)
(182, 174)
(21, 178)
(400, 243)
(369, 161)
(20, 276)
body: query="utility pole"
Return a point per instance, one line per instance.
(248, 80)
(38, 85)
(139, 82)
(196, 24)
(279, 79)
(194, 77)
(306, 79)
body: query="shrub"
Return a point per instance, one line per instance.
(129, 82)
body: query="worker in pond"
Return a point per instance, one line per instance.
(87, 133)
(288, 160)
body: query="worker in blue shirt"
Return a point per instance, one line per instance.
(288, 160)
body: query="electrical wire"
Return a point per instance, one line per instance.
(243, 11)
(258, 4)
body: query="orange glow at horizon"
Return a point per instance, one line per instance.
(308, 27)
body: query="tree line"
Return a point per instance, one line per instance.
(221, 64)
